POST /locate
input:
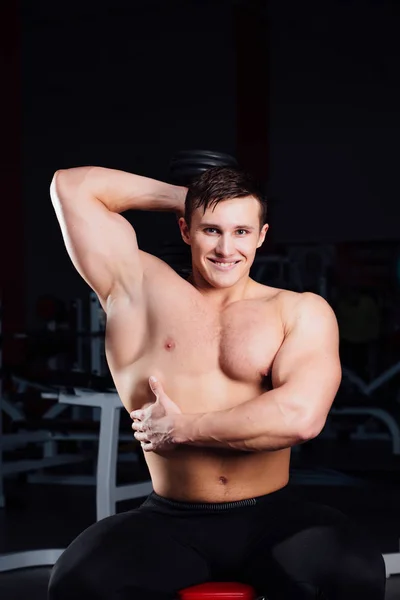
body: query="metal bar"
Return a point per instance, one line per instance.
(31, 558)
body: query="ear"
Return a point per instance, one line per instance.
(263, 233)
(185, 233)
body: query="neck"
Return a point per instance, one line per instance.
(221, 297)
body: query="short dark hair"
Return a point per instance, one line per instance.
(222, 183)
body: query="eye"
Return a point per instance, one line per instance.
(245, 230)
(210, 229)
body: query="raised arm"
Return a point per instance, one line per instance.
(100, 242)
(306, 375)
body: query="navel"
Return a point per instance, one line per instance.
(223, 480)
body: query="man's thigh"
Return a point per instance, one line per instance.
(315, 551)
(130, 555)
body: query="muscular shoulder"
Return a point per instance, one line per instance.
(151, 262)
(162, 284)
(156, 268)
(306, 307)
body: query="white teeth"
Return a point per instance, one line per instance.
(224, 265)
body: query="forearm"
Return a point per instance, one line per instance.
(118, 190)
(257, 425)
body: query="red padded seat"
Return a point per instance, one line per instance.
(218, 590)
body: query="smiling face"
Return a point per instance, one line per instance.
(224, 241)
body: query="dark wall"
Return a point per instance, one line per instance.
(122, 85)
(125, 85)
(335, 119)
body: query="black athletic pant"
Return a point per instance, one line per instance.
(288, 549)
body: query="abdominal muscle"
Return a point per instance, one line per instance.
(194, 474)
(205, 474)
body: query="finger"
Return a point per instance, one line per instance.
(147, 447)
(137, 426)
(136, 414)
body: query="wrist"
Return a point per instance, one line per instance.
(180, 197)
(184, 427)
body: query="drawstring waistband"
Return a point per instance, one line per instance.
(156, 500)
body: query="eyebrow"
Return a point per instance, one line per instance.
(250, 227)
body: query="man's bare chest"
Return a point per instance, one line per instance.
(240, 341)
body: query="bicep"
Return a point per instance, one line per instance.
(102, 244)
(308, 362)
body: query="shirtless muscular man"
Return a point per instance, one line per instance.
(221, 376)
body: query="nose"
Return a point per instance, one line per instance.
(225, 246)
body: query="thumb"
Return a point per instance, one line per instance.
(155, 386)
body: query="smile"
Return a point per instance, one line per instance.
(224, 266)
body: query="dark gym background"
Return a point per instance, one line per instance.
(305, 94)
(126, 84)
